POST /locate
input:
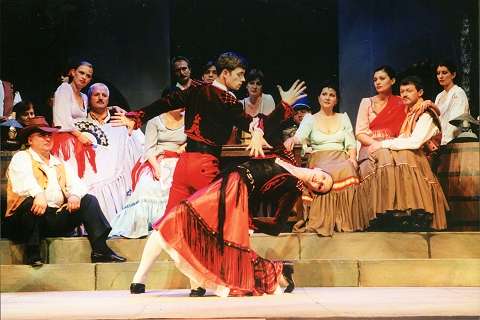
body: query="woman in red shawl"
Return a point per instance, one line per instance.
(379, 117)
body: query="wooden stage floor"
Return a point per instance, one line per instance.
(304, 303)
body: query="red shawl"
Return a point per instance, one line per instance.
(388, 122)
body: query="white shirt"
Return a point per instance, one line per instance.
(221, 86)
(23, 181)
(451, 104)
(424, 130)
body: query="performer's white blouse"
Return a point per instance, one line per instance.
(66, 109)
(451, 104)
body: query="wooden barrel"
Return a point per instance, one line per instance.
(459, 174)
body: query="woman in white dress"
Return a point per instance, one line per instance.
(152, 177)
(452, 101)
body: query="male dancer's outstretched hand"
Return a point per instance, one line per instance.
(257, 143)
(294, 93)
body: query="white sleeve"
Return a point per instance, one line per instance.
(424, 130)
(74, 185)
(62, 108)
(17, 98)
(268, 104)
(20, 174)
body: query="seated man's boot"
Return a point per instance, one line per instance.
(32, 256)
(199, 292)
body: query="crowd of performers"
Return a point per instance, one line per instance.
(168, 184)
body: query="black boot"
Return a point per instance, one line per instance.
(32, 256)
(199, 292)
(137, 288)
(287, 273)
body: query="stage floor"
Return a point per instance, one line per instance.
(304, 303)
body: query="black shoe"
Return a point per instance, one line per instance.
(32, 256)
(199, 292)
(137, 288)
(106, 257)
(287, 274)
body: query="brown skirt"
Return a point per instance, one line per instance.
(399, 181)
(334, 210)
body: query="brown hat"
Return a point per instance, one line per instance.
(35, 124)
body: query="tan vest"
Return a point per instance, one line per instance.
(14, 200)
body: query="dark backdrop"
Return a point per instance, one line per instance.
(130, 41)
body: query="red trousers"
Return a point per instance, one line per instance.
(194, 171)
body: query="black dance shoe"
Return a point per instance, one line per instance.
(199, 292)
(287, 273)
(106, 257)
(137, 288)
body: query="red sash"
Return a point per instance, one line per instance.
(388, 122)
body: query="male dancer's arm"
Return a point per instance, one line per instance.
(175, 100)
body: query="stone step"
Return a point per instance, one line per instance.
(346, 246)
(308, 273)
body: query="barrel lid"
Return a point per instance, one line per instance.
(457, 122)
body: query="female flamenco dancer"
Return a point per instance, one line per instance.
(207, 235)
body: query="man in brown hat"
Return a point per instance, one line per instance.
(45, 198)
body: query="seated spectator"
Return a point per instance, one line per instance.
(23, 111)
(69, 105)
(301, 108)
(152, 177)
(333, 145)
(116, 152)
(45, 198)
(402, 189)
(452, 101)
(209, 72)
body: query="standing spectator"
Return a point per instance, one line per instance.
(182, 72)
(257, 101)
(209, 72)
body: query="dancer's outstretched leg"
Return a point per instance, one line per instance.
(150, 254)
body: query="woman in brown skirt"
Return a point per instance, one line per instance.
(330, 135)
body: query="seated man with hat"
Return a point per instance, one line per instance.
(300, 108)
(45, 198)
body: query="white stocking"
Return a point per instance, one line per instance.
(150, 254)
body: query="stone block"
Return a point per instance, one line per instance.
(68, 250)
(285, 246)
(420, 273)
(326, 273)
(49, 277)
(77, 249)
(132, 249)
(364, 245)
(12, 253)
(455, 245)
(118, 276)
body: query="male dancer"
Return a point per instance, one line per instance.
(211, 111)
